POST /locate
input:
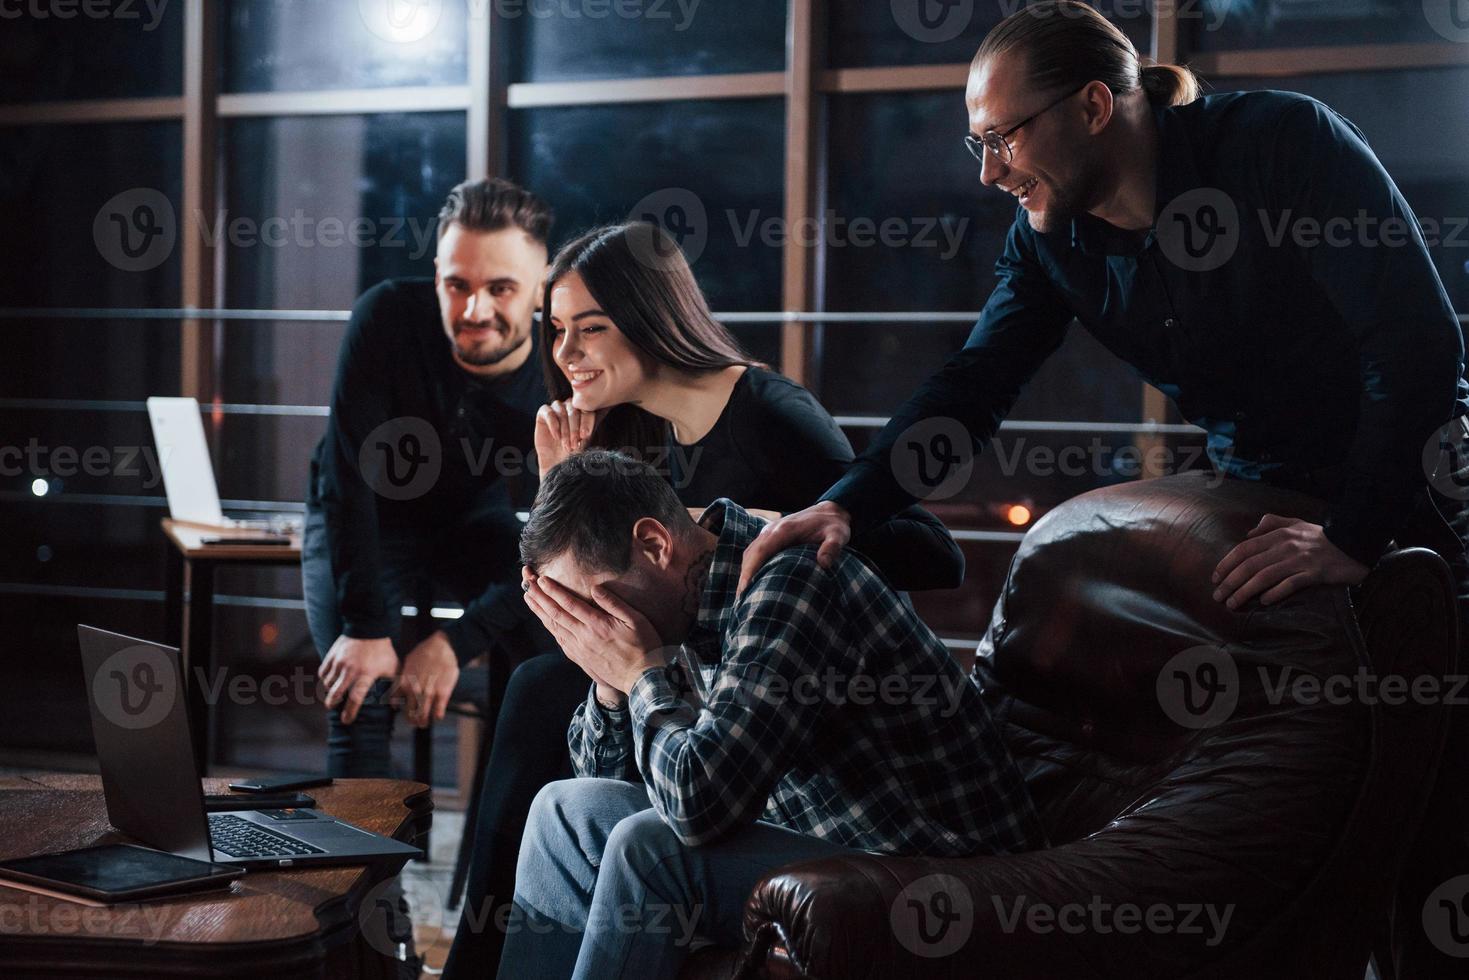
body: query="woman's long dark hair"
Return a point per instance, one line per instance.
(639, 277)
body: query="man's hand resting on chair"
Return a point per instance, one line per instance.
(1280, 556)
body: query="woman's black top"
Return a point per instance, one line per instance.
(775, 448)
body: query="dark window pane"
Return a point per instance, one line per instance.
(124, 360)
(302, 372)
(305, 45)
(100, 207)
(321, 208)
(1423, 149)
(710, 171)
(583, 39)
(86, 451)
(241, 441)
(946, 231)
(43, 701)
(1223, 25)
(96, 51)
(926, 32)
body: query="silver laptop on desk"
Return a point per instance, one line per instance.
(188, 472)
(140, 724)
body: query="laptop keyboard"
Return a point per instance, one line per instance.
(242, 839)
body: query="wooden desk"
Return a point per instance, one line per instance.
(270, 925)
(189, 563)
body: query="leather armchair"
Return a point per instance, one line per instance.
(1207, 816)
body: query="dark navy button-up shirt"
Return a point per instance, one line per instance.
(1284, 299)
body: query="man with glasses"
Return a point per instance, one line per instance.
(1217, 245)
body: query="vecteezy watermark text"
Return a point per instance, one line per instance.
(36, 916)
(410, 21)
(1101, 917)
(138, 229)
(682, 213)
(838, 231)
(37, 460)
(1201, 687)
(403, 458)
(1202, 229)
(938, 21)
(89, 9)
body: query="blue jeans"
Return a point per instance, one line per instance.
(605, 889)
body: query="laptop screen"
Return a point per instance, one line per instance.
(141, 727)
(188, 472)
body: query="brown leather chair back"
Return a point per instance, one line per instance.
(1180, 753)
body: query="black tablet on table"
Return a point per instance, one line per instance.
(116, 872)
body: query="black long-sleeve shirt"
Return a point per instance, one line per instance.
(775, 448)
(416, 445)
(1298, 351)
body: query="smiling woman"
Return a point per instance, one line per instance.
(662, 324)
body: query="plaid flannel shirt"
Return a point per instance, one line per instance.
(821, 703)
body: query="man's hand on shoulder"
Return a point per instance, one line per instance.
(825, 523)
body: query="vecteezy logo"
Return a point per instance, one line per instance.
(1446, 459)
(401, 458)
(933, 458)
(381, 920)
(933, 916)
(401, 21)
(1199, 688)
(1449, 18)
(1199, 229)
(135, 231)
(679, 212)
(932, 21)
(135, 688)
(1446, 917)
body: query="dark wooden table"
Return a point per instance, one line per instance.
(190, 564)
(321, 923)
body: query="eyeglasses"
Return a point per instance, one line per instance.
(999, 143)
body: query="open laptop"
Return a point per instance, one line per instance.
(188, 472)
(140, 723)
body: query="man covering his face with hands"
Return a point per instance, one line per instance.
(725, 736)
